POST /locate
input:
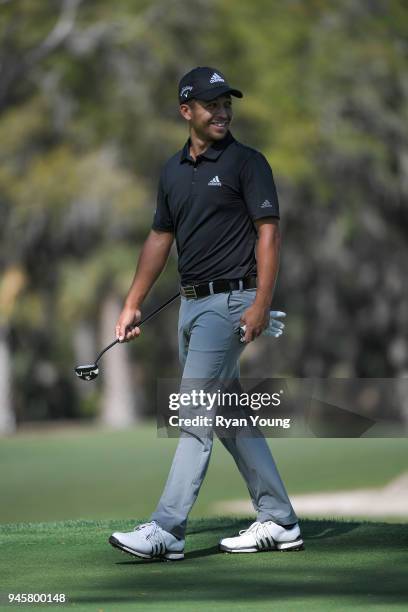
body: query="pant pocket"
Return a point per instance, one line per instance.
(238, 302)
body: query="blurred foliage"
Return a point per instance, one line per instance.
(88, 114)
(328, 105)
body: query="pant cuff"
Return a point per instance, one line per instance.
(289, 519)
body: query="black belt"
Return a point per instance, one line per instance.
(193, 292)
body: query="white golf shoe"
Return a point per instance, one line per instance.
(149, 541)
(263, 537)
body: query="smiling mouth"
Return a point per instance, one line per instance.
(221, 124)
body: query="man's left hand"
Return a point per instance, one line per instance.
(256, 319)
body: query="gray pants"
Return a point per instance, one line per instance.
(209, 348)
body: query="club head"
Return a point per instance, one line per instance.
(87, 372)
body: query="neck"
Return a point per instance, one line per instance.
(198, 145)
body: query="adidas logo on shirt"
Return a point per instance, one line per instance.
(215, 182)
(266, 204)
(216, 78)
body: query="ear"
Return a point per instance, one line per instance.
(185, 111)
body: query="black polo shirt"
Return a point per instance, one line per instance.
(210, 205)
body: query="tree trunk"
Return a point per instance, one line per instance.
(7, 416)
(85, 350)
(119, 400)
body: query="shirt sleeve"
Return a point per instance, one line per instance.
(162, 220)
(258, 187)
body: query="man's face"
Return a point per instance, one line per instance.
(210, 120)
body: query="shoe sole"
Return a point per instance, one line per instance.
(290, 546)
(168, 556)
(296, 545)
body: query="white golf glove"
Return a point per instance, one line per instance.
(275, 327)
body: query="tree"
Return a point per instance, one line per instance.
(81, 145)
(326, 102)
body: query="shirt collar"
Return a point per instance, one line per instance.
(213, 152)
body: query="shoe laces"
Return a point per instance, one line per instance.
(155, 535)
(145, 526)
(251, 529)
(259, 531)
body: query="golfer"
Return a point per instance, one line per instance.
(217, 198)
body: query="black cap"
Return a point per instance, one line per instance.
(204, 83)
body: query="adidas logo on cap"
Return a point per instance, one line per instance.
(216, 78)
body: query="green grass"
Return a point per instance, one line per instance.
(346, 565)
(93, 474)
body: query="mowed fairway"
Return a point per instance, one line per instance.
(85, 473)
(346, 565)
(113, 479)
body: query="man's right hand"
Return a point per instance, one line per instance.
(126, 327)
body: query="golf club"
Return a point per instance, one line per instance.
(91, 370)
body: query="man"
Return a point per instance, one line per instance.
(217, 198)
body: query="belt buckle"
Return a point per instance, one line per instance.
(190, 292)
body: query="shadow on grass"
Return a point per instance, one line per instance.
(348, 562)
(256, 583)
(311, 530)
(194, 554)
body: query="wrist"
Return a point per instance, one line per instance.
(263, 301)
(133, 304)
